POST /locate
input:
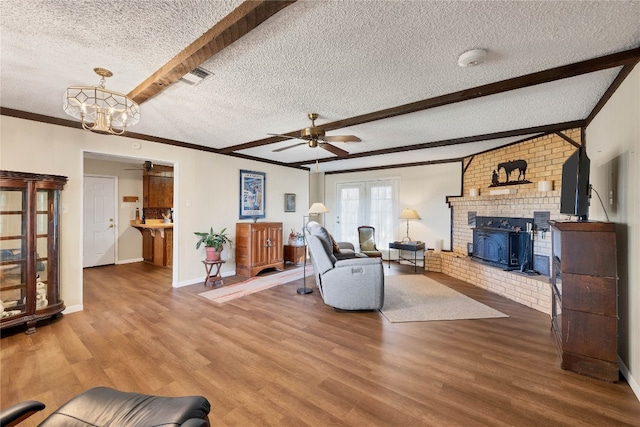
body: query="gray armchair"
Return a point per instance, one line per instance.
(354, 283)
(367, 236)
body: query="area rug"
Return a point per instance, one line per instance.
(415, 298)
(254, 284)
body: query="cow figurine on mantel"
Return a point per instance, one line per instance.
(509, 167)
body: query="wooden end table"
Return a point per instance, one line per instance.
(213, 278)
(294, 254)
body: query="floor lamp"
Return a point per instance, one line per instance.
(408, 214)
(315, 209)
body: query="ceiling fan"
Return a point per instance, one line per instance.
(146, 166)
(314, 136)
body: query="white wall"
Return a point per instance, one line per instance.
(613, 141)
(423, 188)
(206, 191)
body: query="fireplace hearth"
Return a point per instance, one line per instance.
(504, 242)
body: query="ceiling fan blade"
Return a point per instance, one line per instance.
(147, 166)
(286, 148)
(341, 138)
(283, 136)
(333, 149)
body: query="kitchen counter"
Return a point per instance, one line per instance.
(157, 241)
(153, 225)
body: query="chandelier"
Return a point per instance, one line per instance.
(99, 109)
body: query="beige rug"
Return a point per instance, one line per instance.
(416, 298)
(254, 284)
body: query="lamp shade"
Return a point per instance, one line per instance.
(317, 208)
(409, 214)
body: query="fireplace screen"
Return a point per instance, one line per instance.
(504, 242)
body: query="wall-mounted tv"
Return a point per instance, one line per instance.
(574, 196)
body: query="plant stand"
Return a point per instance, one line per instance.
(213, 278)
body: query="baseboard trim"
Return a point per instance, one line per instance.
(73, 309)
(630, 380)
(129, 261)
(196, 281)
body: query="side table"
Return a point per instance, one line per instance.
(213, 278)
(414, 247)
(294, 254)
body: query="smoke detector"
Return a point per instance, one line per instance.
(472, 57)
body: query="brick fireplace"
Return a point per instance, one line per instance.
(545, 156)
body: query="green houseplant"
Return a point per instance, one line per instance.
(213, 242)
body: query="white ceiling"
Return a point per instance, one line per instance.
(341, 59)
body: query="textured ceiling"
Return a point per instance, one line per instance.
(341, 59)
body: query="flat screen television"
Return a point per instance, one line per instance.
(574, 196)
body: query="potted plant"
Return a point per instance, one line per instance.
(296, 238)
(213, 242)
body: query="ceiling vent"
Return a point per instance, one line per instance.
(196, 76)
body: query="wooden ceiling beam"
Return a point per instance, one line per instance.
(627, 57)
(232, 27)
(622, 75)
(465, 140)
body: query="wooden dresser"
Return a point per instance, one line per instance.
(584, 286)
(258, 247)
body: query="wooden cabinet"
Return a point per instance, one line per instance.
(29, 241)
(258, 247)
(157, 242)
(157, 191)
(147, 245)
(585, 296)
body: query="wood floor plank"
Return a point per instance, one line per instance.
(278, 358)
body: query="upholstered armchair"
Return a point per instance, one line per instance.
(354, 283)
(103, 406)
(367, 237)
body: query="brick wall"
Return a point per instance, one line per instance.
(531, 291)
(545, 156)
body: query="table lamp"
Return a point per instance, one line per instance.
(408, 214)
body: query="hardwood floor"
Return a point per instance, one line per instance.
(283, 359)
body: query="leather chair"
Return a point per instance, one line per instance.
(367, 237)
(103, 406)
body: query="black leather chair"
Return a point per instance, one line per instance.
(103, 406)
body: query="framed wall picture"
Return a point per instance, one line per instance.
(252, 194)
(289, 202)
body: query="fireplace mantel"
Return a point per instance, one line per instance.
(521, 194)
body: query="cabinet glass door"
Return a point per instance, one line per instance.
(13, 244)
(43, 206)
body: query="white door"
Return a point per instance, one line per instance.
(349, 215)
(99, 221)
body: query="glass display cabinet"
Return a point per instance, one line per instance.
(29, 241)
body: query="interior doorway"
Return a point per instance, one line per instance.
(128, 197)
